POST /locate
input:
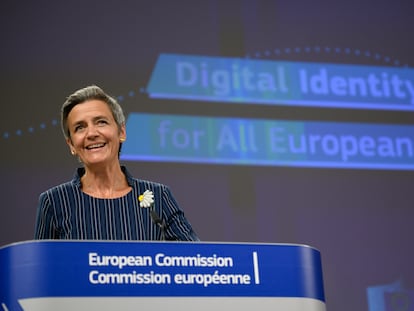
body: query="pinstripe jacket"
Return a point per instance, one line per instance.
(66, 212)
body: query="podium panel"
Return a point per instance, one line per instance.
(106, 275)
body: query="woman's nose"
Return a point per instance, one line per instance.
(92, 131)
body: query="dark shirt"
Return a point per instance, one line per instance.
(66, 212)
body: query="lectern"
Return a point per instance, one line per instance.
(168, 276)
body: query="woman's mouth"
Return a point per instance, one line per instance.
(95, 146)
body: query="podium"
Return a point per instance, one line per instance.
(105, 275)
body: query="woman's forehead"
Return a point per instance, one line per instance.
(89, 109)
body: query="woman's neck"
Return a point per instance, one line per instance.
(105, 182)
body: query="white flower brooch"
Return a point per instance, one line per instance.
(146, 199)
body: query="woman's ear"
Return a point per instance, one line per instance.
(69, 143)
(122, 133)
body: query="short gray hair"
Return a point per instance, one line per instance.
(90, 93)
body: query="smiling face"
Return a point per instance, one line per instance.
(94, 135)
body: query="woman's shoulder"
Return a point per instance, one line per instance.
(70, 185)
(60, 188)
(149, 184)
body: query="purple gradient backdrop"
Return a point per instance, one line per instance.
(360, 220)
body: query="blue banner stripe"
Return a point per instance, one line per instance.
(268, 82)
(268, 142)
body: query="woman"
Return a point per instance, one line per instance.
(103, 201)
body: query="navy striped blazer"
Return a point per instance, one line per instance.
(66, 212)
